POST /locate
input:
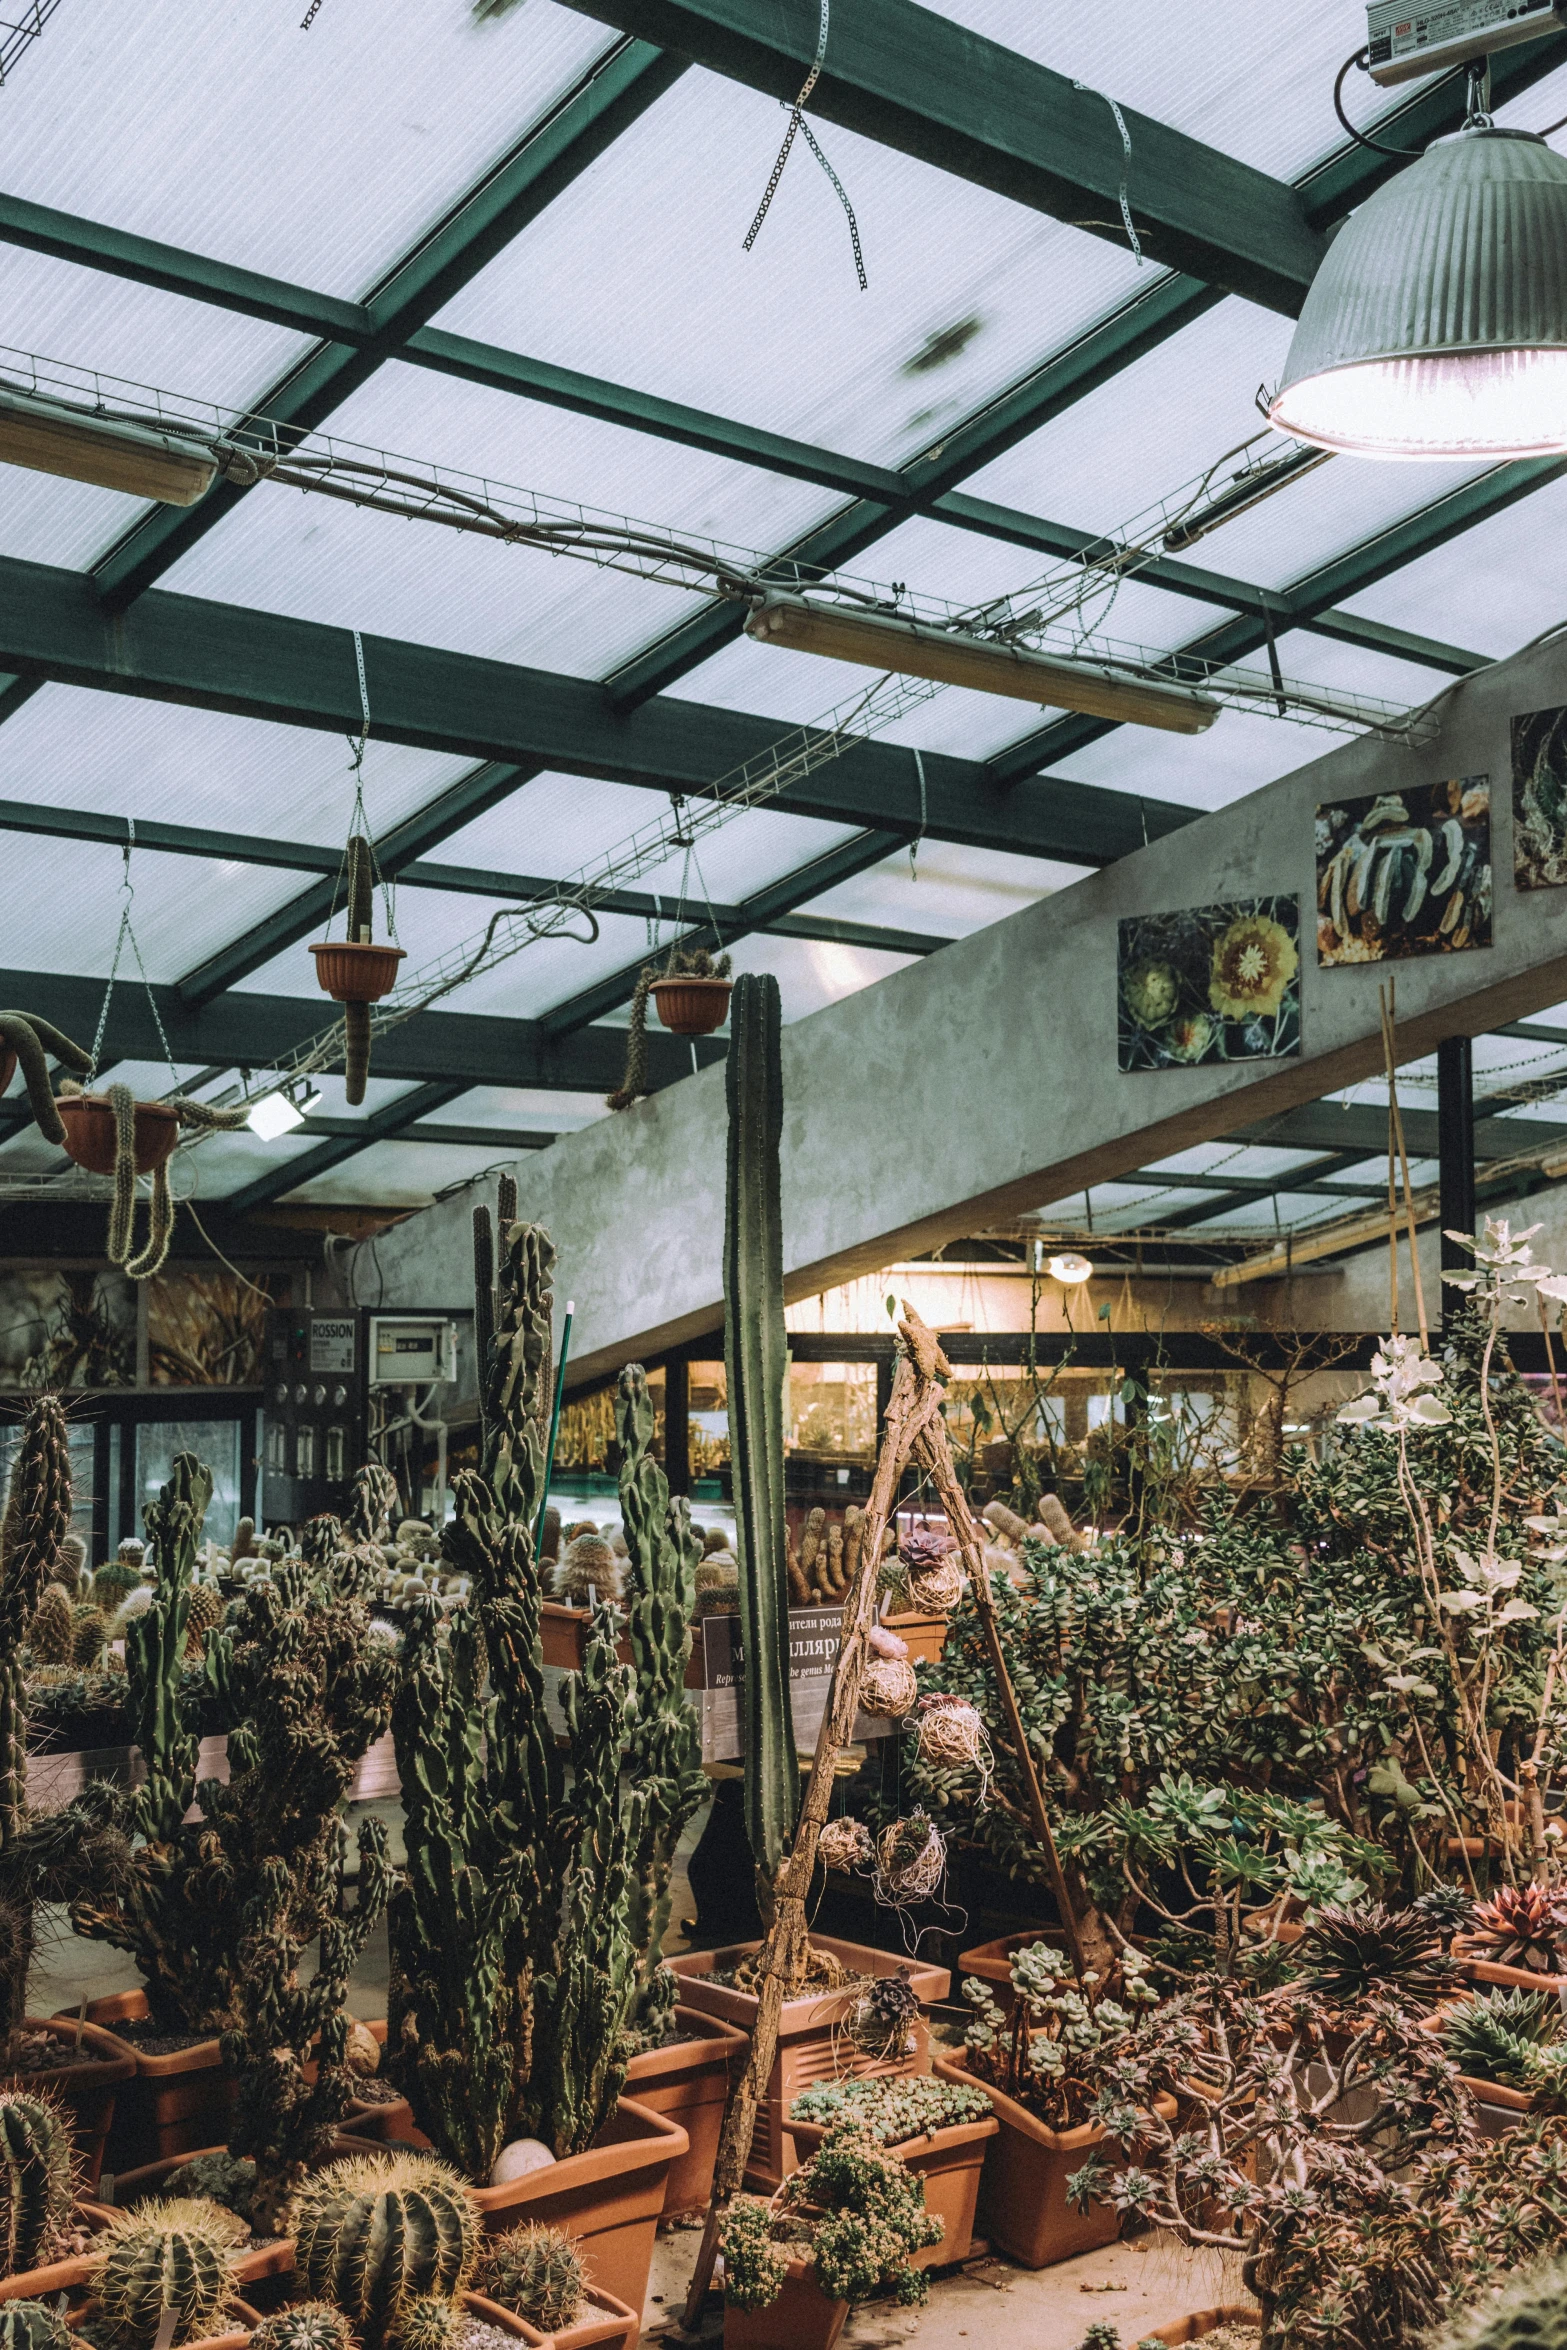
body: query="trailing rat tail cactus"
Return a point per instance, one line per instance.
(756, 1364)
(356, 1017)
(33, 2325)
(32, 1039)
(683, 963)
(536, 2271)
(377, 2233)
(175, 2255)
(665, 1758)
(37, 2180)
(308, 2325)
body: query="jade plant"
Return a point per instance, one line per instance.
(516, 1958)
(853, 2215)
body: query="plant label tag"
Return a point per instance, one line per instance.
(166, 2325)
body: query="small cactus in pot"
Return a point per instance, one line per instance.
(376, 2233)
(536, 2271)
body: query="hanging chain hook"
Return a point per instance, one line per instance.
(799, 126)
(127, 931)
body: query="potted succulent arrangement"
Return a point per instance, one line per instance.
(940, 2129)
(843, 2228)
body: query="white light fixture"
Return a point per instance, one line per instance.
(1070, 1269)
(877, 641)
(280, 1112)
(1437, 323)
(48, 437)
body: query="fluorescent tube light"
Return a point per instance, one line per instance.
(875, 641)
(48, 437)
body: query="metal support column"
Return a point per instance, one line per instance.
(677, 1424)
(1455, 1113)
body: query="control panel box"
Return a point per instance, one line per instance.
(1403, 42)
(315, 1411)
(411, 1350)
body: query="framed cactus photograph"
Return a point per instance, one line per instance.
(1540, 799)
(1403, 873)
(1214, 983)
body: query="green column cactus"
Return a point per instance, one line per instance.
(37, 2180)
(155, 2257)
(374, 2234)
(756, 1364)
(665, 1758)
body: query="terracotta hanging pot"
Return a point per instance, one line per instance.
(88, 1119)
(356, 972)
(692, 1007)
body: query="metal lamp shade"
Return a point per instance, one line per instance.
(1437, 324)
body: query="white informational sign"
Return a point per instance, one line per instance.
(332, 1342)
(813, 1648)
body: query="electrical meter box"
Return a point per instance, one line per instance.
(408, 1350)
(314, 1407)
(1403, 41)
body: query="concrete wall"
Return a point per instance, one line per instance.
(983, 1081)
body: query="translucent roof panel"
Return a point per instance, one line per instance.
(814, 973)
(525, 1109)
(952, 890)
(227, 1162)
(63, 908)
(1371, 1174)
(1115, 1207)
(555, 824)
(1267, 101)
(967, 291)
(1294, 1208)
(1246, 1163)
(318, 560)
(318, 156)
(121, 756)
(1241, 750)
(1491, 588)
(399, 1175)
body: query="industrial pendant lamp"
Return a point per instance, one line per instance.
(1437, 323)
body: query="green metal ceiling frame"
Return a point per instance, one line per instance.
(381, 1125)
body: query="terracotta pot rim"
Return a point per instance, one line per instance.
(58, 2276)
(1177, 2331)
(654, 2140)
(942, 2141)
(704, 2037)
(814, 2008)
(131, 2007)
(1082, 2135)
(117, 2061)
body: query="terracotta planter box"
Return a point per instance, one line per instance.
(563, 1636)
(246, 2321)
(605, 2323)
(176, 2104)
(388, 2121)
(812, 2046)
(608, 2200)
(91, 2091)
(688, 2083)
(802, 2318)
(1182, 2330)
(1023, 2206)
(60, 2276)
(924, 1635)
(1508, 1978)
(950, 2162)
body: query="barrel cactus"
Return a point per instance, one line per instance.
(37, 2178)
(32, 2325)
(308, 2325)
(378, 2232)
(536, 2271)
(428, 2323)
(177, 2255)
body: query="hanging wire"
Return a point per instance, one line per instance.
(126, 931)
(798, 123)
(914, 845)
(359, 819)
(1126, 163)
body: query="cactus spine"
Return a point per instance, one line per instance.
(37, 2179)
(665, 1757)
(32, 2325)
(379, 2232)
(175, 2255)
(52, 1636)
(756, 1364)
(537, 2272)
(308, 2325)
(513, 1971)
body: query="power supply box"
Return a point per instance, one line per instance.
(1404, 42)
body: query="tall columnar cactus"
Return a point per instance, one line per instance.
(513, 1967)
(665, 1759)
(155, 2257)
(37, 2180)
(756, 1363)
(374, 2234)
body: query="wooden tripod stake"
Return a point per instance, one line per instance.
(914, 1430)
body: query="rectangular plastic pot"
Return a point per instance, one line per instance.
(608, 2200)
(950, 2162)
(1508, 1978)
(1023, 2206)
(688, 2082)
(90, 2091)
(924, 1636)
(802, 2318)
(176, 2104)
(812, 2045)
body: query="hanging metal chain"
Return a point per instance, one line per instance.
(126, 931)
(359, 821)
(798, 124)
(1126, 163)
(914, 845)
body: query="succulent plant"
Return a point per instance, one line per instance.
(895, 2107)
(538, 2272)
(115, 1578)
(89, 1635)
(379, 2231)
(1522, 1926)
(204, 1615)
(1358, 1949)
(1448, 1907)
(1501, 2035)
(219, 2177)
(176, 2254)
(32, 2325)
(37, 2179)
(428, 2323)
(307, 2325)
(854, 2212)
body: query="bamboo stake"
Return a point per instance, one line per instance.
(1388, 1038)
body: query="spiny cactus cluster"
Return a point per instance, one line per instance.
(375, 2234)
(37, 2180)
(1527, 2314)
(33, 2325)
(307, 2325)
(538, 2272)
(513, 1970)
(174, 2254)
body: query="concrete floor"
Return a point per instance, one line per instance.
(1135, 2286)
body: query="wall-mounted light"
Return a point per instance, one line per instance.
(1437, 323)
(280, 1112)
(1070, 1269)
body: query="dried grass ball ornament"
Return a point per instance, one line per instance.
(950, 1732)
(911, 1860)
(845, 1844)
(881, 2021)
(888, 1686)
(935, 1569)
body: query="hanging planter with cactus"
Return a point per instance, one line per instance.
(357, 971)
(114, 1134)
(28, 1040)
(692, 997)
